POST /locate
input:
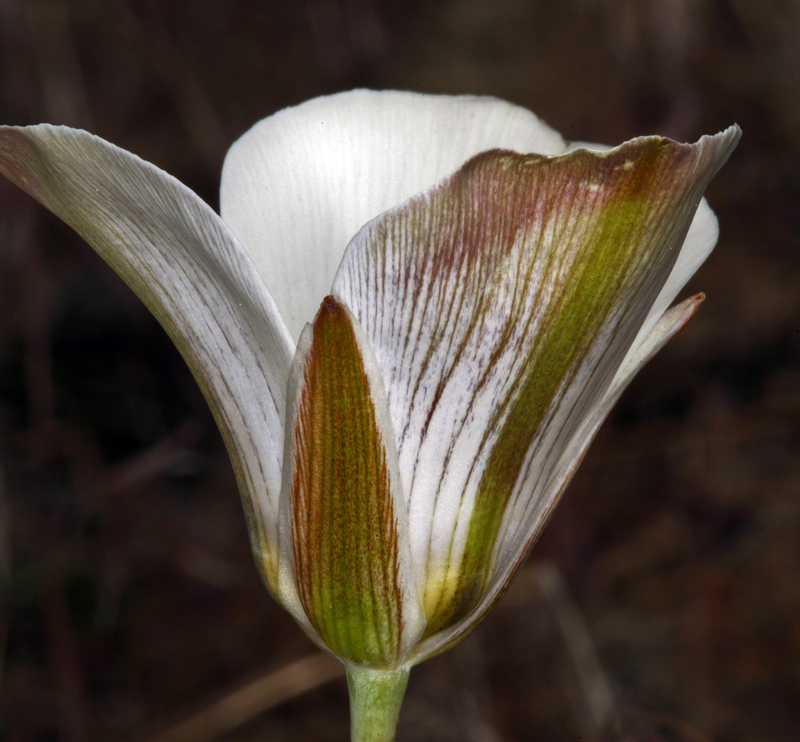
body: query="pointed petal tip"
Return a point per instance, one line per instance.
(733, 133)
(688, 308)
(715, 149)
(730, 135)
(726, 141)
(685, 312)
(668, 326)
(12, 163)
(330, 306)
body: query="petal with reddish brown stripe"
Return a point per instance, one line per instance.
(500, 305)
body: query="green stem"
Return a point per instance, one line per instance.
(375, 700)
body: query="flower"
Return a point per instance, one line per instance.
(399, 448)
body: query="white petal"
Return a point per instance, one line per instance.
(298, 186)
(188, 268)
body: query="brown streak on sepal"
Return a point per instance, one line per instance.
(345, 534)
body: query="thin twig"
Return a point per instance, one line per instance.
(5, 564)
(246, 703)
(592, 692)
(65, 665)
(235, 708)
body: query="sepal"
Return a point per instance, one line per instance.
(345, 532)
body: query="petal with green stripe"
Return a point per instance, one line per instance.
(349, 542)
(529, 521)
(500, 305)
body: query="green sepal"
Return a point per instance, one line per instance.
(349, 542)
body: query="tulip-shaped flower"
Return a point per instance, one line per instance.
(409, 323)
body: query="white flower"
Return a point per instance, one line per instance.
(398, 456)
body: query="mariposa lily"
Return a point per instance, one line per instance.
(409, 323)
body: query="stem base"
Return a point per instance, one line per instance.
(375, 700)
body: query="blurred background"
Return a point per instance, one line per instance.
(662, 602)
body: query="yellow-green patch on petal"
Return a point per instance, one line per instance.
(530, 517)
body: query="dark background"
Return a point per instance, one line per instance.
(129, 598)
